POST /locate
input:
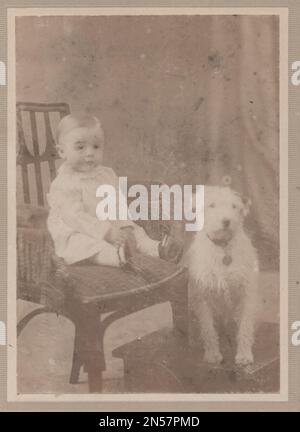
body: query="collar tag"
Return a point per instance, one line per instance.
(227, 260)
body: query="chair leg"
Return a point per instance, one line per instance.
(88, 346)
(77, 360)
(94, 355)
(75, 371)
(94, 370)
(24, 321)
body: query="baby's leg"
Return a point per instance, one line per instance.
(107, 256)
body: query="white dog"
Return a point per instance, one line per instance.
(223, 270)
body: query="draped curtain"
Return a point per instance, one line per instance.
(182, 99)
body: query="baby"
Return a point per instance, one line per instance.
(76, 231)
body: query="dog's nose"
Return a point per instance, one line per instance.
(226, 223)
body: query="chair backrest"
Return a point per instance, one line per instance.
(36, 152)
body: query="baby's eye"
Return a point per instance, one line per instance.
(233, 206)
(212, 205)
(79, 145)
(96, 146)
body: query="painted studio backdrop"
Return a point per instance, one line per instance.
(182, 99)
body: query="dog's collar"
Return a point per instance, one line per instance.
(227, 258)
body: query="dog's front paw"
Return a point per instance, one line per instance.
(214, 357)
(244, 358)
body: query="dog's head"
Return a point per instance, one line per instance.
(224, 212)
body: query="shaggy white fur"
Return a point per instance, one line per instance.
(223, 273)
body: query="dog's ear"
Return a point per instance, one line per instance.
(246, 205)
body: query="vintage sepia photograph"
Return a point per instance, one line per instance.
(148, 245)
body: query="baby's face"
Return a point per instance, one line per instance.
(83, 148)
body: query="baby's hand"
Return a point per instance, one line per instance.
(121, 237)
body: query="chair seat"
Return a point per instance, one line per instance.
(50, 282)
(90, 282)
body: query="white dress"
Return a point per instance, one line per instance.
(75, 229)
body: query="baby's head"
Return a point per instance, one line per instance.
(80, 142)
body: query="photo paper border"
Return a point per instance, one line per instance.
(12, 318)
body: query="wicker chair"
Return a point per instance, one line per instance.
(83, 292)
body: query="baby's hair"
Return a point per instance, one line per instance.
(71, 122)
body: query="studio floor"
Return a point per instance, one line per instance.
(45, 346)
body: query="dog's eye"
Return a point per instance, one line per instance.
(212, 205)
